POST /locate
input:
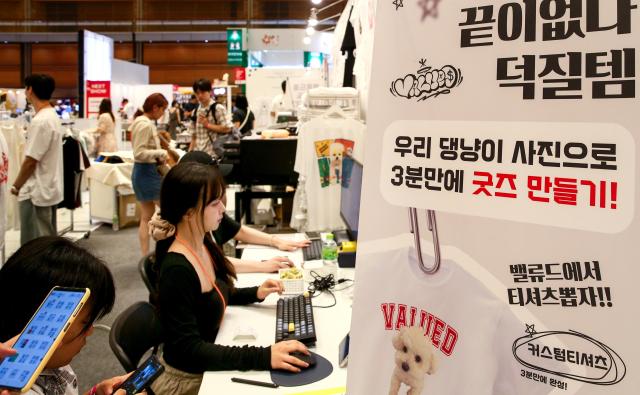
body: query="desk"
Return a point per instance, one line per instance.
(332, 325)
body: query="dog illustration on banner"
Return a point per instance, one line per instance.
(427, 82)
(334, 161)
(414, 358)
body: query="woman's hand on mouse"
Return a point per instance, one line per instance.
(268, 287)
(274, 264)
(280, 358)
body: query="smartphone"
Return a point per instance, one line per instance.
(40, 338)
(343, 352)
(143, 376)
(313, 235)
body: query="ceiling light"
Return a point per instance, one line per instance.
(306, 40)
(206, 41)
(310, 30)
(316, 2)
(313, 19)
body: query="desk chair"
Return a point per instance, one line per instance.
(265, 162)
(149, 276)
(134, 333)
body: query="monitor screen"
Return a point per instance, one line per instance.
(350, 196)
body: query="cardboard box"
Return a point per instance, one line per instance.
(128, 211)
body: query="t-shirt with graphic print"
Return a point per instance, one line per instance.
(472, 337)
(324, 157)
(61, 381)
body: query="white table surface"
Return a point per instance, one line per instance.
(332, 324)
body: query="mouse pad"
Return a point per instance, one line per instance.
(322, 369)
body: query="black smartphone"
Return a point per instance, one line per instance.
(142, 378)
(313, 235)
(343, 352)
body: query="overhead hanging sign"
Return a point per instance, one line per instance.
(237, 47)
(499, 227)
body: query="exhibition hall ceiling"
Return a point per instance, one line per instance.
(150, 15)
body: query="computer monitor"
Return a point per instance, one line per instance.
(286, 117)
(268, 162)
(350, 196)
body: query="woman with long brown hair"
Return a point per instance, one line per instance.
(148, 154)
(106, 128)
(196, 284)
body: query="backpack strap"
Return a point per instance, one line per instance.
(212, 110)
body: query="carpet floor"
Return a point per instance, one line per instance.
(121, 252)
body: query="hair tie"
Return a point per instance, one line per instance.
(159, 228)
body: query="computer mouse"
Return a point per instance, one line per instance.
(310, 359)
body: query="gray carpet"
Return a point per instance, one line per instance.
(121, 252)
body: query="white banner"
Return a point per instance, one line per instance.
(512, 128)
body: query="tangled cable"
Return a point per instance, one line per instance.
(326, 283)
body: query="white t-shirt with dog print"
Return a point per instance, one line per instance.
(325, 153)
(472, 337)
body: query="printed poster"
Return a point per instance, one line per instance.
(96, 91)
(335, 161)
(498, 246)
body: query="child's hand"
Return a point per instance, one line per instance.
(108, 386)
(6, 351)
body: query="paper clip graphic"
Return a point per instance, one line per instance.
(433, 227)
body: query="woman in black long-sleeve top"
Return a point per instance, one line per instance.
(196, 285)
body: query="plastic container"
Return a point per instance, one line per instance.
(329, 250)
(292, 280)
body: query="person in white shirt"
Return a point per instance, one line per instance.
(39, 183)
(127, 110)
(212, 122)
(107, 141)
(280, 103)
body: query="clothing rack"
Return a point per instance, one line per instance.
(317, 102)
(75, 134)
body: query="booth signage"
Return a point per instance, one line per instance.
(237, 47)
(239, 75)
(96, 91)
(498, 245)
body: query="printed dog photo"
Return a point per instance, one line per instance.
(414, 358)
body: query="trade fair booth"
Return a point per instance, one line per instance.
(435, 197)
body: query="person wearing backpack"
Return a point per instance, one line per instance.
(213, 125)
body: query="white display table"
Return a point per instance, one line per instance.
(332, 324)
(111, 194)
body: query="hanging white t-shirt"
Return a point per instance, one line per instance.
(474, 338)
(14, 136)
(44, 144)
(324, 159)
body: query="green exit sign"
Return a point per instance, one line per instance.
(237, 47)
(313, 59)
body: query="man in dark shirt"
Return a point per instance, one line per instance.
(190, 108)
(230, 229)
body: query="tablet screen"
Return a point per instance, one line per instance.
(39, 335)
